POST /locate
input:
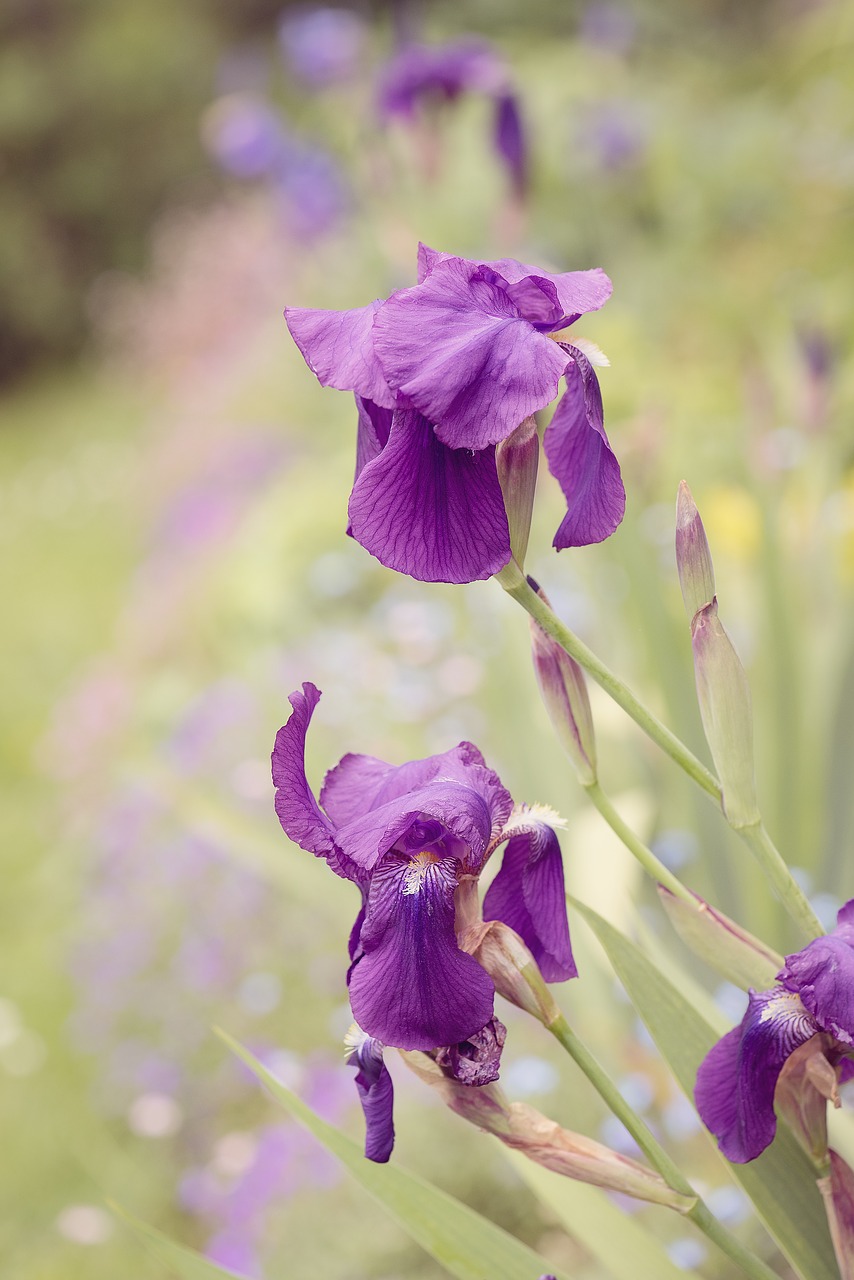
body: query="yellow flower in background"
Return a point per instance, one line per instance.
(733, 522)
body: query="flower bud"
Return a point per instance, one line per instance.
(484, 1106)
(586, 1160)
(693, 557)
(805, 1086)
(724, 697)
(722, 943)
(722, 688)
(517, 458)
(564, 693)
(510, 965)
(838, 1195)
(528, 1131)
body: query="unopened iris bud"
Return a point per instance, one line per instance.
(524, 1129)
(564, 693)
(693, 557)
(736, 954)
(724, 697)
(805, 1086)
(722, 689)
(517, 458)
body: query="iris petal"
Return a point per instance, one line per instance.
(434, 513)
(582, 461)
(302, 819)
(459, 809)
(528, 895)
(338, 347)
(823, 976)
(737, 1079)
(413, 988)
(376, 1094)
(461, 353)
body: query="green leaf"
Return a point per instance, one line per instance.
(468, 1246)
(615, 1239)
(781, 1182)
(181, 1261)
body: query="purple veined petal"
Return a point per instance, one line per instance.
(577, 292)
(434, 513)
(528, 895)
(582, 461)
(458, 350)
(737, 1078)
(348, 789)
(475, 1061)
(372, 432)
(338, 348)
(845, 922)
(413, 987)
(534, 297)
(823, 976)
(302, 819)
(376, 1094)
(459, 810)
(463, 764)
(427, 260)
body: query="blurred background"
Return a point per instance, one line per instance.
(173, 487)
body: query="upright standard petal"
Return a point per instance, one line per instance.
(576, 292)
(338, 348)
(301, 817)
(528, 895)
(448, 817)
(349, 788)
(376, 1094)
(431, 512)
(459, 350)
(413, 988)
(736, 1081)
(823, 976)
(582, 461)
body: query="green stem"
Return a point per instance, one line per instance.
(521, 591)
(699, 1213)
(785, 886)
(645, 856)
(702, 1217)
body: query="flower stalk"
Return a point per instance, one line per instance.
(698, 1211)
(527, 597)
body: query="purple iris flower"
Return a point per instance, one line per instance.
(419, 73)
(736, 1081)
(442, 373)
(414, 839)
(423, 76)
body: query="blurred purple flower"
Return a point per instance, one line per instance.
(444, 371)
(737, 1079)
(249, 139)
(410, 837)
(420, 74)
(613, 134)
(245, 135)
(608, 25)
(420, 77)
(322, 46)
